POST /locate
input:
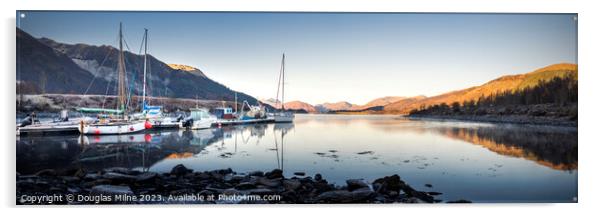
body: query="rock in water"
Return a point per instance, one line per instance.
(112, 190)
(256, 173)
(180, 170)
(276, 173)
(353, 184)
(388, 184)
(318, 177)
(299, 173)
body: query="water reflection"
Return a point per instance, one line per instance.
(545, 146)
(556, 149)
(477, 161)
(137, 151)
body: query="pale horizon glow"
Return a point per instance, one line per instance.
(331, 57)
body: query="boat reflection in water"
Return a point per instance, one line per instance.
(242, 147)
(135, 151)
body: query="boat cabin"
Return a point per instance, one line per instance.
(223, 113)
(198, 114)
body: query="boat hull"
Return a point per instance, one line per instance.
(281, 119)
(53, 128)
(112, 128)
(200, 124)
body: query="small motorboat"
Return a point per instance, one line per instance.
(199, 119)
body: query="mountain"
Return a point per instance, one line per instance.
(383, 101)
(510, 83)
(342, 105)
(47, 66)
(41, 69)
(271, 101)
(187, 68)
(300, 106)
(376, 104)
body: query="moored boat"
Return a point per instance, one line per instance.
(118, 122)
(280, 114)
(114, 127)
(61, 125)
(199, 119)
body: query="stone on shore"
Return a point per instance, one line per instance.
(276, 173)
(291, 184)
(353, 184)
(180, 170)
(146, 177)
(181, 180)
(345, 196)
(118, 177)
(112, 190)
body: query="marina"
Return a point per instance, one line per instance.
(368, 108)
(120, 121)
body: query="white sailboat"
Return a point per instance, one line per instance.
(154, 114)
(124, 124)
(281, 115)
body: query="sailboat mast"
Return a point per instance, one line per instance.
(144, 79)
(282, 101)
(121, 67)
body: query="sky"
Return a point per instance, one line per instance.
(330, 57)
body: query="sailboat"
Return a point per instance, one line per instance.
(281, 115)
(154, 114)
(122, 124)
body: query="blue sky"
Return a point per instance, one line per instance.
(331, 57)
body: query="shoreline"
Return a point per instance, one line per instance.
(511, 119)
(183, 186)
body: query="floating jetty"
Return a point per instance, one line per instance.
(48, 129)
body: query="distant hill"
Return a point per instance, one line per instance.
(383, 101)
(505, 83)
(47, 66)
(375, 104)
(299, 105)
(274, 103)
(342, 105)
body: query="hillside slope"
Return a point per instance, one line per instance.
(300, 106)
(47, 66)
(505, 83)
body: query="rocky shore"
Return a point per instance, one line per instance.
(183, 186)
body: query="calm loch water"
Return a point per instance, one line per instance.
(475, 161)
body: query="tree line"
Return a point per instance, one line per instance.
(557, 92)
